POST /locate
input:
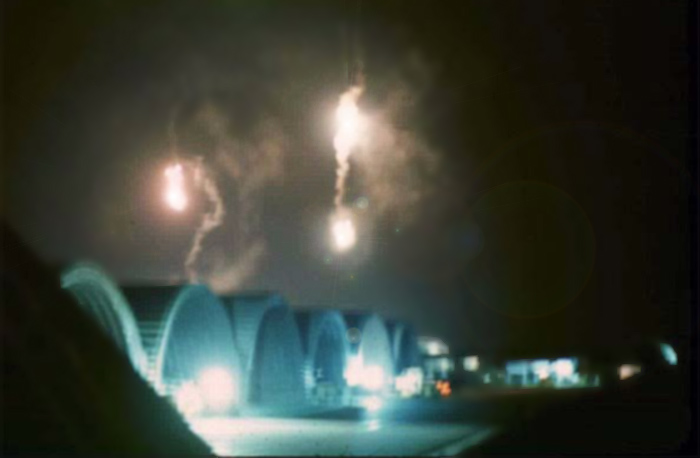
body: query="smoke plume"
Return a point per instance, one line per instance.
(211, 220)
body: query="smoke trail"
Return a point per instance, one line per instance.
(212, 219)
(233, 269)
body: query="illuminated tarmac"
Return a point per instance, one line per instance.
(298, 437)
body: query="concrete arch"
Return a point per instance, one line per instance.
(370, 341)
(184, 330)
(326, 347)
(404, 345)
(100, 296)
(271, 349)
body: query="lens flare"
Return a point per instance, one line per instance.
(344, 234)
(175, 195)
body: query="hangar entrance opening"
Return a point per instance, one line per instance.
(277, 370)
(328, 368)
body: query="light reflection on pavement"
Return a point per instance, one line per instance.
(309, 437)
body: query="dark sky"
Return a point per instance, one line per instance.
(535, 189)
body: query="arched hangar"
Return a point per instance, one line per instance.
(370, 346)
(270, 347)
(101, 298)
(189, 345)
(326, 352)
(404, 345)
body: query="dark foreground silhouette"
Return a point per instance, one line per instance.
(66, 389)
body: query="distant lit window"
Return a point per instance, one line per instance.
(669, 354)
(471, 363)
(628, 370)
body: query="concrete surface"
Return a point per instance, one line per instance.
(312, 437)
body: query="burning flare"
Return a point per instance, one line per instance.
(175, 195)
(350, 127)
(349, 131)
(343, 233)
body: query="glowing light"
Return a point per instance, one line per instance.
(564, 368)
(373, 378)
(373, 425)
(354, 371)
(433, 346)
(669, 354)
(175, 195)
(350, 127)
(542, 368)
(471, 363)
(217, 388)
(372, 403)
(350, 123)
(189, 400)
(628, 370)
(410, 382)
(344, 234)
(443, 387)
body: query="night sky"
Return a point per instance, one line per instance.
(531, 186)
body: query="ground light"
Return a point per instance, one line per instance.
(373, 379)
(217, 388)
(443, 387)
(564, 368)
(410, 382)
(214, 391)
(354, 371)
(372, 403)
(188, 399)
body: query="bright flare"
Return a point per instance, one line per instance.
(350, 124)
(344, 234)
(350, 128)
(217, 388)
(175, 195)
